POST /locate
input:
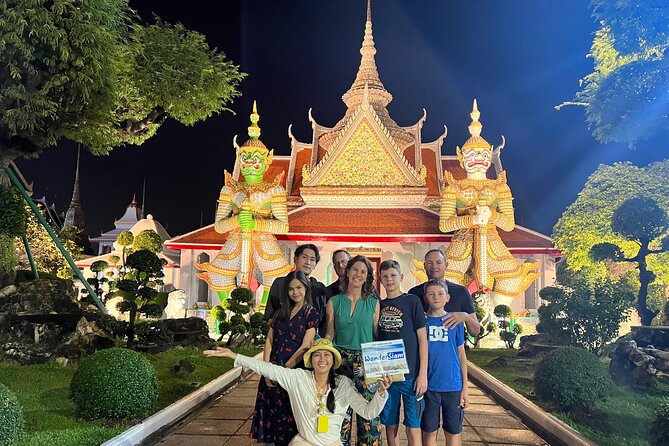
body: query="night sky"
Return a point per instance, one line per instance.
(519, 58)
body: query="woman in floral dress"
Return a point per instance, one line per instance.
(290, 335)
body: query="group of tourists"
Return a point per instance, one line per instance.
(322, 328)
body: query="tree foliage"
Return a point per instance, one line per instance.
(12, 212)
(137, 282)
(45, 253)
(583, 314)
(587, 221)
(642, 221)
(625, 97)
(509, 328)
(147, 239)
(572, 379)
(90, 72)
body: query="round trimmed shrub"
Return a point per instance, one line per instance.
(660, 428)
(114, 383)
(571, 378)
(11, 417)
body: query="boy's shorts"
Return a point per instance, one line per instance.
(413, 405)
(446, 404)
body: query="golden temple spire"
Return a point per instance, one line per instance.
(367, 72)
(254, 129)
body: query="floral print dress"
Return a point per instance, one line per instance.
(273, 417)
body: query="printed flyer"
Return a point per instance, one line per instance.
(384, 358)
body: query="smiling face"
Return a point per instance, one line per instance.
(306, 261)
(357, 274)
(339, 262)
(296, 291)
(321, 361)
(435, 265)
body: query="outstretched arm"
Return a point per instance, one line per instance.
(366, 409)
(276, 373)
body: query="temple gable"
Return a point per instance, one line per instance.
(365, 155)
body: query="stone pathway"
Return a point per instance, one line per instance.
(227, 422)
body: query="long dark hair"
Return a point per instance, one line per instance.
(333, 385)
(287, 304)
(368, 289)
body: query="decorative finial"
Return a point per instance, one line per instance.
(475, 127)
(254, 129)
(367, 71)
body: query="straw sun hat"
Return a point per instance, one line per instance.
(322, 344)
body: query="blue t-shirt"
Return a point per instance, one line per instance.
(443, 364)
(399, 318)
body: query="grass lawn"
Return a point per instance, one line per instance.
(43, 392)
(623, 419)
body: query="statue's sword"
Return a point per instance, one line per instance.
(483, 252)
(245, 268)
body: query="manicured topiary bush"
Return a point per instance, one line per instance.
(114, 383)
(11, 417)
(572, 378)
(660, 428)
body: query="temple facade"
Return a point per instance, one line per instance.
(367, 185)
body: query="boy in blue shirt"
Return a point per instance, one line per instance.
(401, 316)
(447, 393)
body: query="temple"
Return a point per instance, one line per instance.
(132, 215)
(367, 185)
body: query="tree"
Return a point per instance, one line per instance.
(510, 329)
(89, 72)
(625, 97)
(142, 275)
(643, 222)
(584, 314)
(587, 221)
(147, 239)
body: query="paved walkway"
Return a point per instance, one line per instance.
(227, 422)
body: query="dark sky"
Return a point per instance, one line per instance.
(519, 58)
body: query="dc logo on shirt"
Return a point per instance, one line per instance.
(437, 334)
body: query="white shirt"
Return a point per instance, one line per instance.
(301, 389)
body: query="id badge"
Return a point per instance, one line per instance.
(322, 424)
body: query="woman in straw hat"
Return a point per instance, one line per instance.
(319, 398)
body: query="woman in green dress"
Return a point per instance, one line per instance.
(352, 318)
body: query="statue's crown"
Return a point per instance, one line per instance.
(254, 143)
(476, 141)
